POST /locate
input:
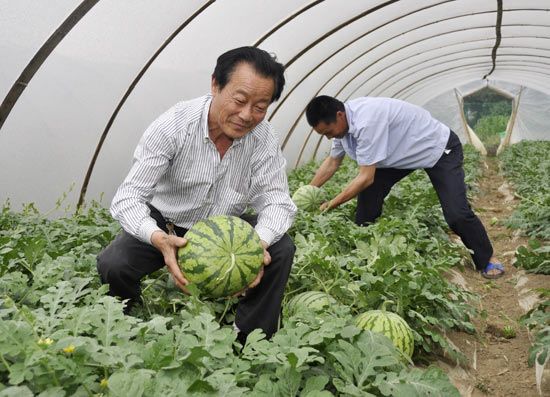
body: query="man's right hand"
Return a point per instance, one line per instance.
(168, 246)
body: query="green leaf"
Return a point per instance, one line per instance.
(358, 364)
(201, 386)
(416, 382)
(315, 385)
(16, 391)
(53, 392)
(131, 383)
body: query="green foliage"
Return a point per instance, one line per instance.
(403, 257)
(486, 102)
(487, 128)
(538, 321)
(527, 165)
(27, 238)
(61, 335)
(508, 332)
(472, 169)
(534, 257)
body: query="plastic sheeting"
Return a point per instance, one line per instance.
(530, 118)
(126, 61)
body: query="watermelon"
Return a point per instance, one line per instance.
(391, 325)
(309, 300)
(309, 198)
(222, 256)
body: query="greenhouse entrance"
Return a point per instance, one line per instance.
(488, 113)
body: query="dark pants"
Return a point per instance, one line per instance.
(127, 260)
(447, 177)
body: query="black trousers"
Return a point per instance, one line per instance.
(127, 260)
(447, 177)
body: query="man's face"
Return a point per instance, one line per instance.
(336, 129)
(242, 104)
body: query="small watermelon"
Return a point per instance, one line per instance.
(391, 325)
(309, 198)
(222, 256)
(310, 300)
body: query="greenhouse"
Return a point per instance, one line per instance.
(275, 198)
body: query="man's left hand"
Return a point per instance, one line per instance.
(256, 281)
(326, 206)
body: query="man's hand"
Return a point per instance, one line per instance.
(168, 246)
(326, 206)
(256, 281)
(267, 257)
(267, 261)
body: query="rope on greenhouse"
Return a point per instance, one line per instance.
(499, 37)
(40, 57)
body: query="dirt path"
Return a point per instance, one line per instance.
(497, 365)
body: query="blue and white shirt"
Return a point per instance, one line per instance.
(391, 133)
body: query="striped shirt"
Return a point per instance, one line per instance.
(177, 169)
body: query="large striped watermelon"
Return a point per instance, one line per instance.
(391, 325)
(309, 198)
(222, 256)
(309, 300)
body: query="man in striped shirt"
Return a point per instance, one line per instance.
(213, 155)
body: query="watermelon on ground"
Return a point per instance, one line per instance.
(391, 325)
(309, 198)
(309, 300)
(222, 256)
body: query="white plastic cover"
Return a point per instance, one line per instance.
(530, 118)
(126, 61)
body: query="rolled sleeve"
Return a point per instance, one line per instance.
(147, 229)
(267, 235)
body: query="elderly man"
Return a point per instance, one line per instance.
(213, 155)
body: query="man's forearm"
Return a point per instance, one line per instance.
(327, 169)
(355, 187)
(364, 179)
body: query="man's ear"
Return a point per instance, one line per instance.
(214, 88)
(341, 115)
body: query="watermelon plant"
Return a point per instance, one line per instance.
(527, 165)
(222, 256)
(402, 257)
(309, 198)
(60, 334)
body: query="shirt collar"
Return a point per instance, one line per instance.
(349, 118)
(204, 118)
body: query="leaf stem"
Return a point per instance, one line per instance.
(225, 310)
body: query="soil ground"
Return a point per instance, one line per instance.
(498, 366)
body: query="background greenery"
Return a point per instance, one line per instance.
(487, 112)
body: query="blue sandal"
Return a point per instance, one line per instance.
(493, 266)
